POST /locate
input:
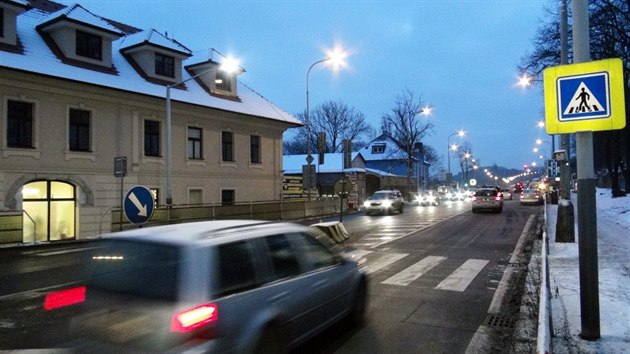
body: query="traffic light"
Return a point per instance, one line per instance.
(347, 153)
(321, 147)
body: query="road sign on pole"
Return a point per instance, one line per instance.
(139, 205)
(585, 97)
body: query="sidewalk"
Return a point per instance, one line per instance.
(613, 233)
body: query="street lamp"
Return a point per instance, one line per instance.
(525, 81)
(229, 66)
(448, 152)
(337, 57)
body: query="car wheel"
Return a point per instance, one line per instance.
(359, 302)
(272, 341)
(474, 211)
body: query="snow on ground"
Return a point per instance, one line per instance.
(613, 233)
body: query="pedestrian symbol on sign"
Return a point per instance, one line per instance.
(584, 97)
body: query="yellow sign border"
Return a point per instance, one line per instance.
(617, 118)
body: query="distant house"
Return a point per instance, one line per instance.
(78, 90)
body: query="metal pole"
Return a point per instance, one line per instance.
(587, 212)
(169, 171)
(308, 127)
(121, 201)
(565, 168)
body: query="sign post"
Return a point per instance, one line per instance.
(120, 170)
(582, 98)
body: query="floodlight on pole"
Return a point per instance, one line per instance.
(337, 57)
(230, 66)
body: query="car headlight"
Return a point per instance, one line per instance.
(366, 203)
(431, 199)
(387, 203)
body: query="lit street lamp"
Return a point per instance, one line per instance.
(337, 56)
(229, 66)
(448, 152)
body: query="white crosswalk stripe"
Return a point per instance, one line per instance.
(458, 280)
(414, 272)
(463, 276)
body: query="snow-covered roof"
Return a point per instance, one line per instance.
(151, 36)
(76, 13)
(20, 3)
(38, 58)
(389, 149)
(333, 163)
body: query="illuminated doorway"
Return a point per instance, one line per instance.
(51, 205)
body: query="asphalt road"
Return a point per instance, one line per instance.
(433, 274)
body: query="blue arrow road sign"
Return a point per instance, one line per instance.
(583, 97)
(139, 205)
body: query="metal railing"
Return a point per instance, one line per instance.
(543, 342)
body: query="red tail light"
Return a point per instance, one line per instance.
(474, 198)
(64, 298)
(193, 318)
(498, 197)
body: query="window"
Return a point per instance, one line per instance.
(1, 22)
(19, 124)
(151, 138)
(283, 258)
(194, 143)
(195, 196)
(378, 149)
(236, 268)
(156, 195)
(53, 205)
(254, 148)
(227, 146)
(316, 254)
(164, 65)
(79, 134)
(227, 197)
(89, 45)
(223, 81)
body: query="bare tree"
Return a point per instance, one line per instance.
(338, 121)
(405, 124)
(609, 38)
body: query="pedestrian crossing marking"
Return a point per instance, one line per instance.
(384, 261)
(463, 276)
(415, 271)
(583, 101)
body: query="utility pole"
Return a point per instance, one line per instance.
(565, 168)
(587, 211)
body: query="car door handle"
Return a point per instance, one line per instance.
(279, 296)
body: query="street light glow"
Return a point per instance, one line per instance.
(426, 110)
(525, 81)
(230, 65)
(337, 57)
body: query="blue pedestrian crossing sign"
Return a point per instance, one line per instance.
(139, 205)
(584, 97)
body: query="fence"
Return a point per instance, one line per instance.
(271, 210)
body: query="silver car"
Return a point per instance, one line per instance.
(384, 201)
(531, 196)
(216, 286)
(487, 199)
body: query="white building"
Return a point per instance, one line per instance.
(78, 90)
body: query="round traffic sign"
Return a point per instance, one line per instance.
(139, 205)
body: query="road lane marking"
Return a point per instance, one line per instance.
(384, 261)
(462, 276)
(415, 271)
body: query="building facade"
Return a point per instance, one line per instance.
(77, 91)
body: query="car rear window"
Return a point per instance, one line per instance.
(135, 268)
(486, 193)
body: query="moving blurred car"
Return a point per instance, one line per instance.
(218, 286)
(428, 198)
(531, 196)
(457, 196)
(518, 187)
(487, 199)
(507, 194)
(385, 202)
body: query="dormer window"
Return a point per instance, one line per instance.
(378, 149)
(223, 81)
(89, 45)
(9, 11)
(164, 65)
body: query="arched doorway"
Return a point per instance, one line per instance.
(51, 206)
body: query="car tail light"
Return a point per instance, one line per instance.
(474, 198)
(193, 318)
(498, 197)
(64, 298)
